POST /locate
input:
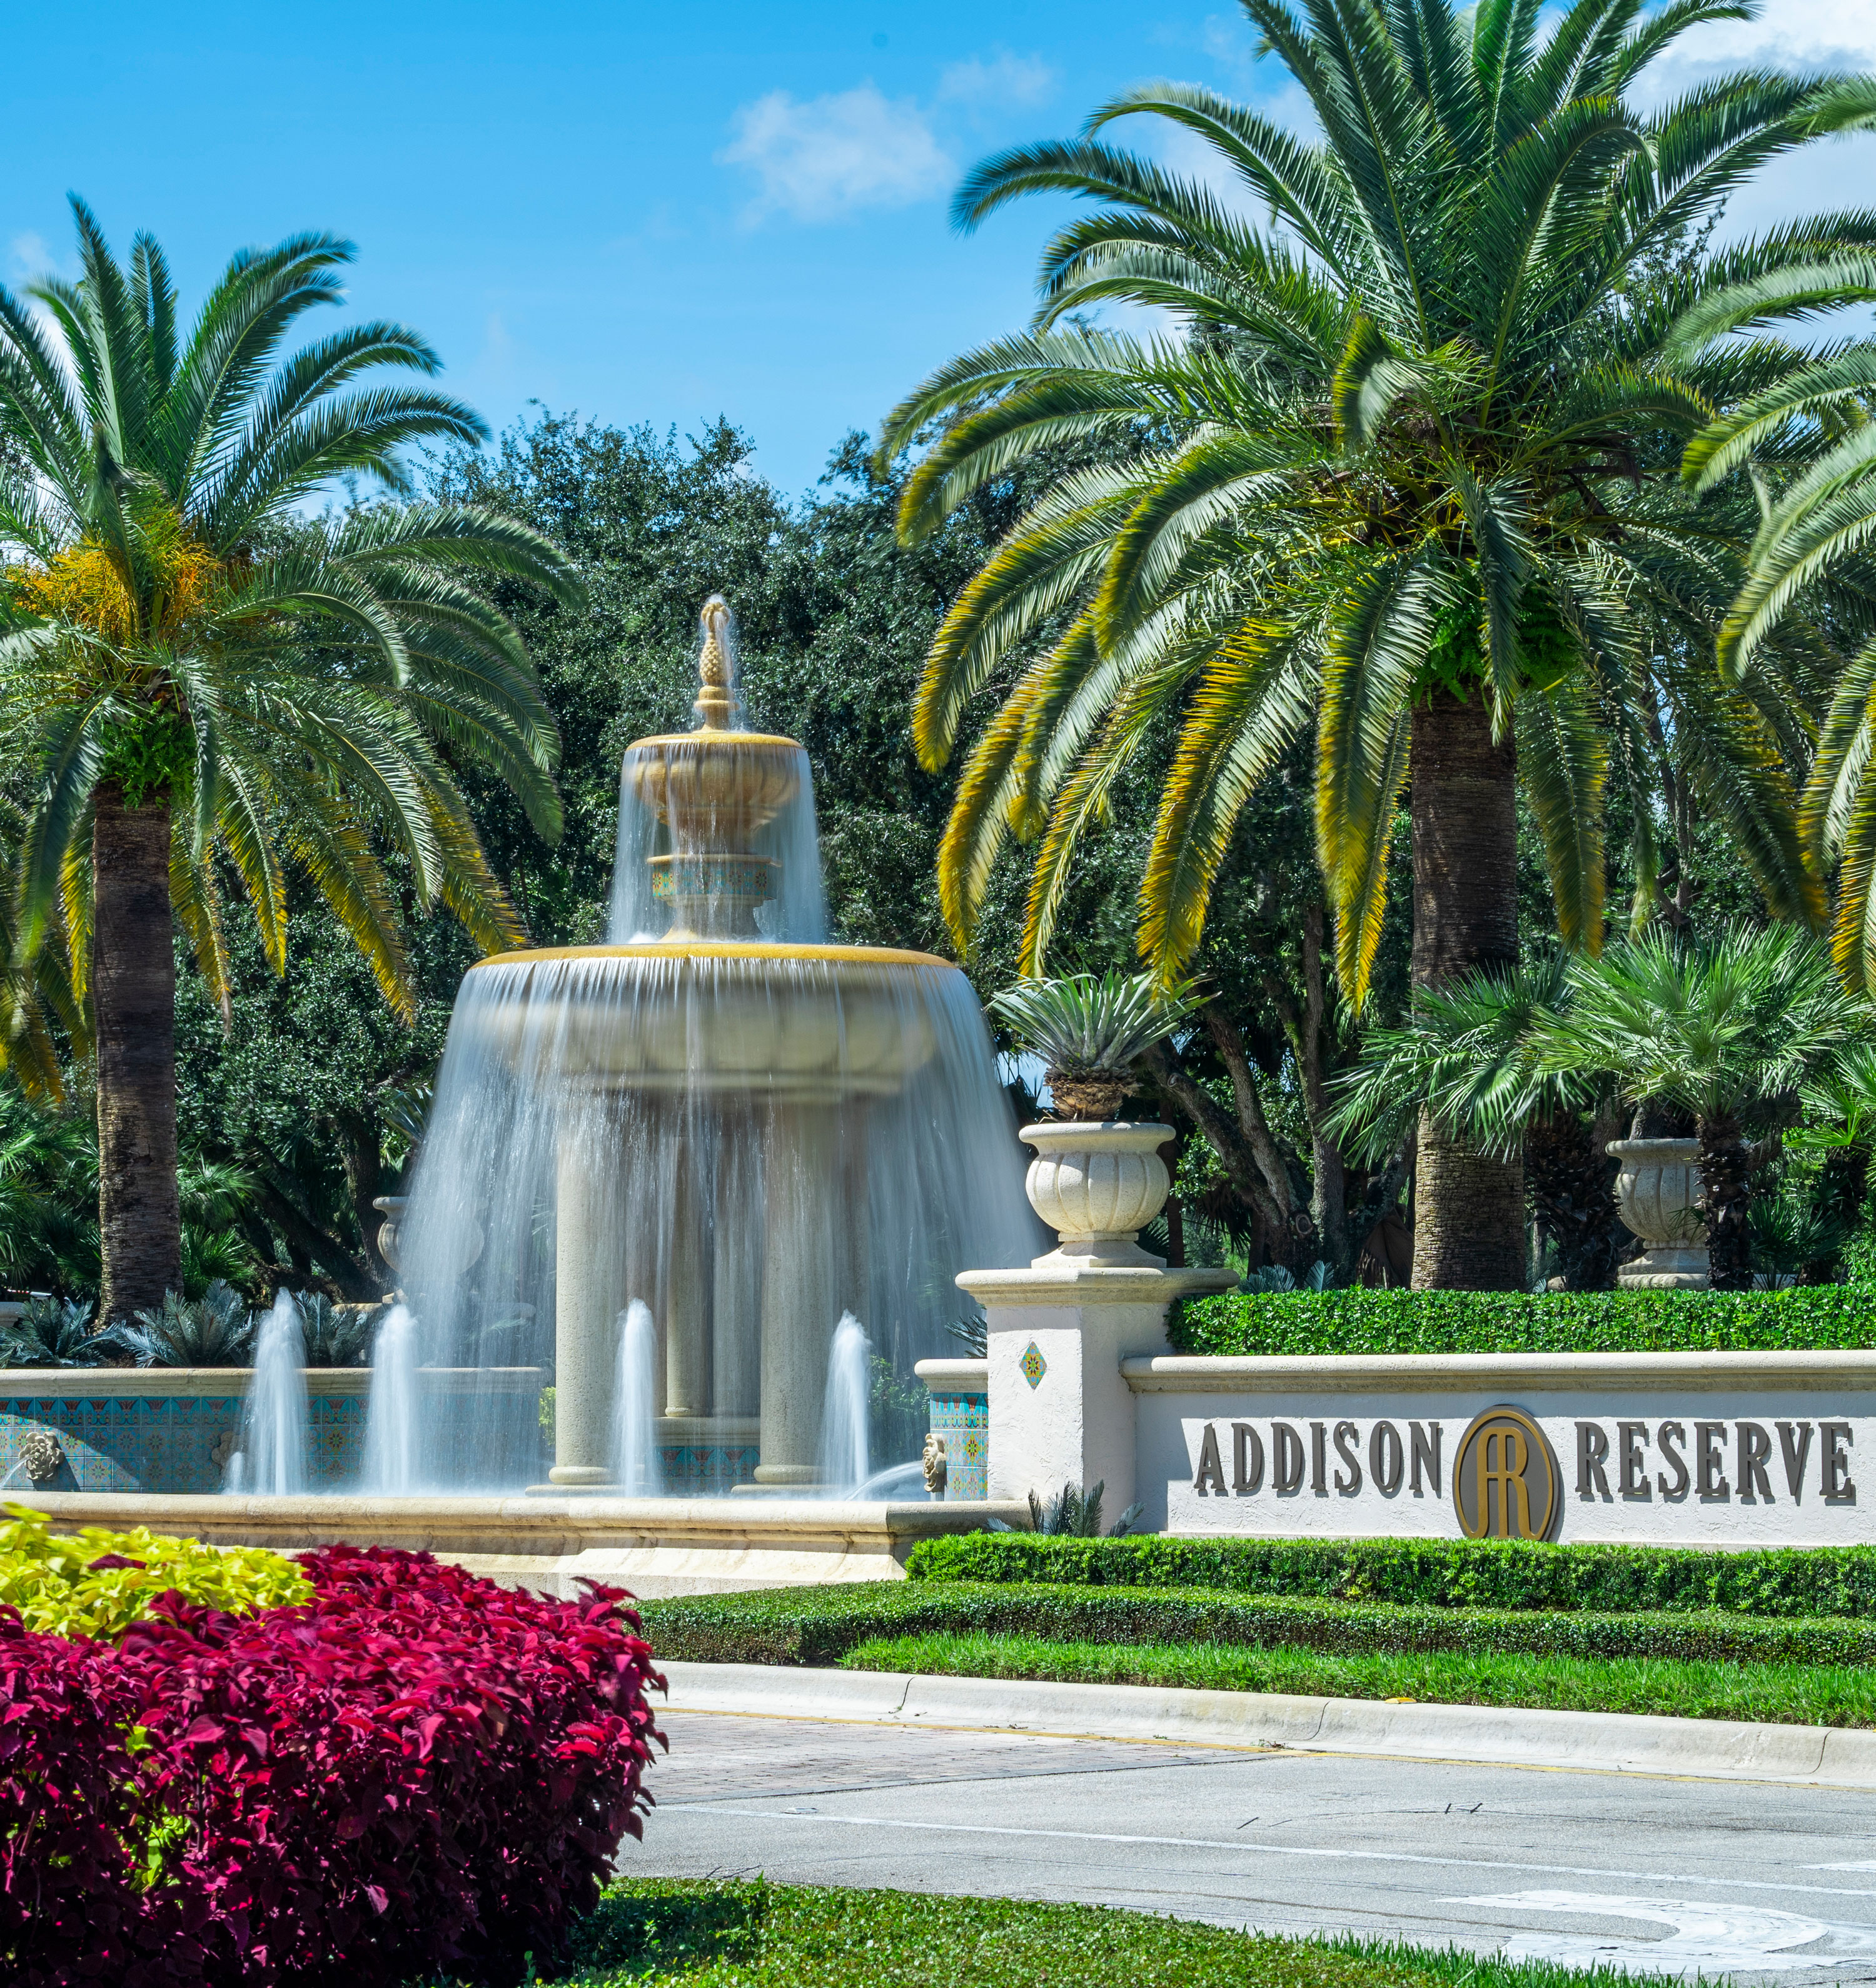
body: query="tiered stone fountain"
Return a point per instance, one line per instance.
(720, 1114)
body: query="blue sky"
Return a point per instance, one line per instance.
(644, 213)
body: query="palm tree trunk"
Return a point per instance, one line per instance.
(133, 997)
(1469, 1209)
(1726, 1193)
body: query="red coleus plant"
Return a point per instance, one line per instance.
(414, 1772)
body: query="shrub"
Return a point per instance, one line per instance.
(413, 1772)
(67, 1812)
(810, 1628)
(1442, 1573)
(1807, 1318)
(98, 1583)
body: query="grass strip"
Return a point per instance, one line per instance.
(817, 1626)
(1775, 1694)
(722, 1934)
(1438, 1574)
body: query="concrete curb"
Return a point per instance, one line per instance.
(1600, 1742)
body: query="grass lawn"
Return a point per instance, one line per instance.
(762, 1935)
(1781, 1694)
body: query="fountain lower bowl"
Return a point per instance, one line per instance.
(794, 1020)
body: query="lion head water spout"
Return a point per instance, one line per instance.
(720, 1113)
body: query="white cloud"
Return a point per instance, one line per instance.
(32, 258)
(1005, 79)
(823, 160)
(1789, 34)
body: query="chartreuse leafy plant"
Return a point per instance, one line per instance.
(1399, 485)
(97, 1582)
(201, 674)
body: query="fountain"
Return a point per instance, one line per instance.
(845, 1453)
(272, 1455)
(637, 1466)
(392, 1407)
(748, 1129)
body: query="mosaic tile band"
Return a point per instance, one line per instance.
(963, 1420)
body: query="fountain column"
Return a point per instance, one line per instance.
(805, 1217)
(589, 1294)
(687, 1288)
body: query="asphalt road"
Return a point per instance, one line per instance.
(1764, 1882)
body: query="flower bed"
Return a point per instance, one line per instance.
(411, 1773)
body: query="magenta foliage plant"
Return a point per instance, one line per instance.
(413, 1772)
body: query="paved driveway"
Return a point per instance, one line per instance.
(1765, 1882)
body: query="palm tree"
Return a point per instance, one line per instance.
(1470, 1059)
(1729, 1030)
(1399, 474)
(1808, 447)
(202, 675)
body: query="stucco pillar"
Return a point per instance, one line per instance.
(1059, 1412)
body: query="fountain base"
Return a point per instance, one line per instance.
(651, 1547)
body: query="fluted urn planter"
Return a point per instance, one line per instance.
(1097, 1184)
(1657, 1183)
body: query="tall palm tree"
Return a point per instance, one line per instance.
(201, 673)
(1399, 472)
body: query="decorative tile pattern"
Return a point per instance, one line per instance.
(167, 1443)
(700, 1471)
(1034, 1365)
(963, 1422)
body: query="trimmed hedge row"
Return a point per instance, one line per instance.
(1440, 1574)
(1803, 1319)
(813, 1627)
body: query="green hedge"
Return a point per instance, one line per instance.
(817, 1627)
(1439, 1574)
(1808, 1319)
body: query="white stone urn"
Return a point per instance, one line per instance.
(1658, 1182)
(1097, 1184)
(391, 1206)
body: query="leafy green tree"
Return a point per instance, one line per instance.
(196, 672)
(1402, 479)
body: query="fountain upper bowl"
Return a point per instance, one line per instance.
(811, 1023)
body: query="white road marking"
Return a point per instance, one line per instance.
(1867, 1863)
(1275, 1849)
(1705, 1938)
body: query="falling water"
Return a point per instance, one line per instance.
(846, 1463)
(273, 1449)
(392, 1433)
(749, 1128)
(636, 1467)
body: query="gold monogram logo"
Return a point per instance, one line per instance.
(1506, 1484)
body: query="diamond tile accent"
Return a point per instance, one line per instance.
(1034, 1365)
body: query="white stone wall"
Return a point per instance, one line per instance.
(1715, 1452)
